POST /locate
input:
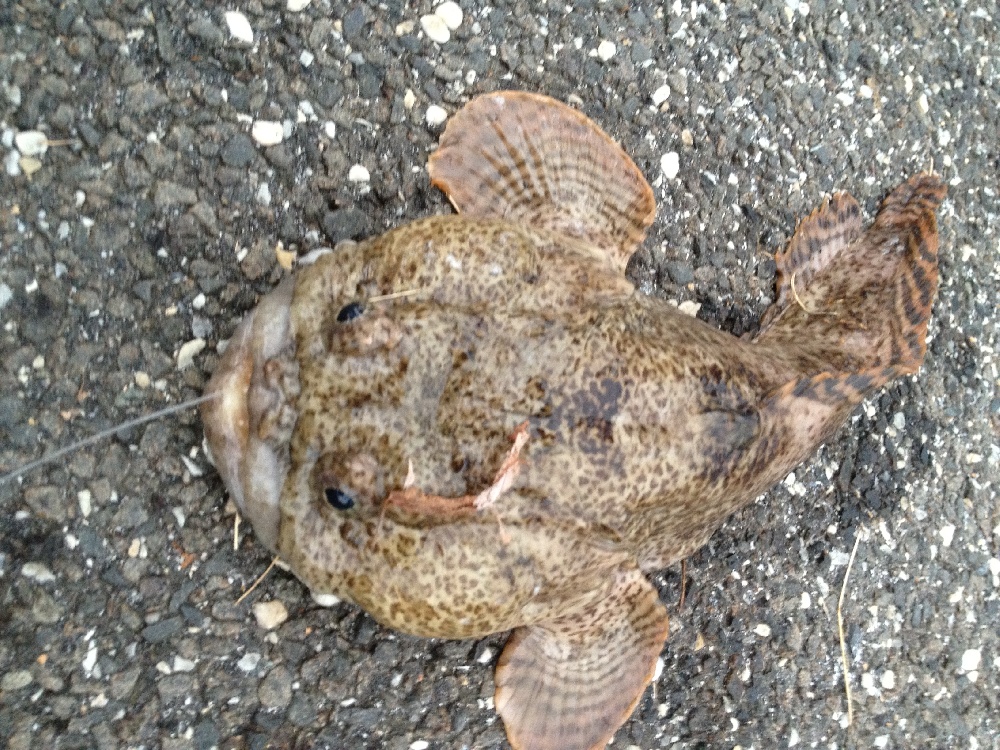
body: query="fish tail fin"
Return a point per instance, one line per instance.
(858, 302)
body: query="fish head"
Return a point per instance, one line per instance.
(248, 422)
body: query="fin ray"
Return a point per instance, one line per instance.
(526, 157)
(570, 683)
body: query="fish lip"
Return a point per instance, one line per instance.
(253, 464)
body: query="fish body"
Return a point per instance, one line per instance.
(474, 423)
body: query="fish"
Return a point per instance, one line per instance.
(474, 423)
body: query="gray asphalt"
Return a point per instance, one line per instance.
(151, 220)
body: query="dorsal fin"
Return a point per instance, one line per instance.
(529, 158)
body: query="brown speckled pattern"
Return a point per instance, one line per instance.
(647, 428)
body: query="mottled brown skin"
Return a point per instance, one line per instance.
(646, 427)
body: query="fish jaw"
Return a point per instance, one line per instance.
(248, 424)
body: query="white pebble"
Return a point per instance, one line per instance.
(419, 745)
(865, 91)
(606, 50)
(409, 99)
(142, 379)
(330, 129)
(296, 5)
(12, 163)
(947, 533)
(6, 295)
(806, 601)
(971, 659)
(83, 498)
(267, 132)
(31, 142)
(689, 307)
(994, 566)
(358, 173)
(450, 13)
(37, 572)
(763, 630)
(264, 194)
(923, 104)
(188, 351)
(183, 665)
(326, 600)
(90, 660)
(486, 656)
(248, 663)
(270, 614)
(888, 679)
(306, 58)
(435, 28)
(239, 26)
(670, 163)
(944, 137)
(436, 115)
(661, 95)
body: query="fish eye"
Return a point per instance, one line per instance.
(350, 311)
(338, 499)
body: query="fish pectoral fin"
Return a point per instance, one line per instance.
(528, 158)
(570, 683)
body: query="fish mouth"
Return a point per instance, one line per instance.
(249, 421)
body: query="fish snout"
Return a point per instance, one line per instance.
(248, 424)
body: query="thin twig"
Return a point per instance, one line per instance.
(396, 295)
(260, 578)
(840, 627)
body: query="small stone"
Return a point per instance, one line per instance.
(888, 679)
(409, 99)
(763, 630)
(188, 351)
(15, 680)
(670, 163)
(297, 5)
(84, 499)
(29, 165)
(12, 163)
(971, 659)
(358, 173)
(142, 379)
(270, 614)
(947, 533)
(435, 28)
(436, 115)
(450, 13)
(183, 665)
(275, 690)
(419, 745)
(248, 662)
(37, 572)
(606, 50)
(239, 26)
(267, 132)
(239, 151)
(661, 95)
(689, 307)
(326, 600)
(264, 194)
(31, 142)
(6, 295)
